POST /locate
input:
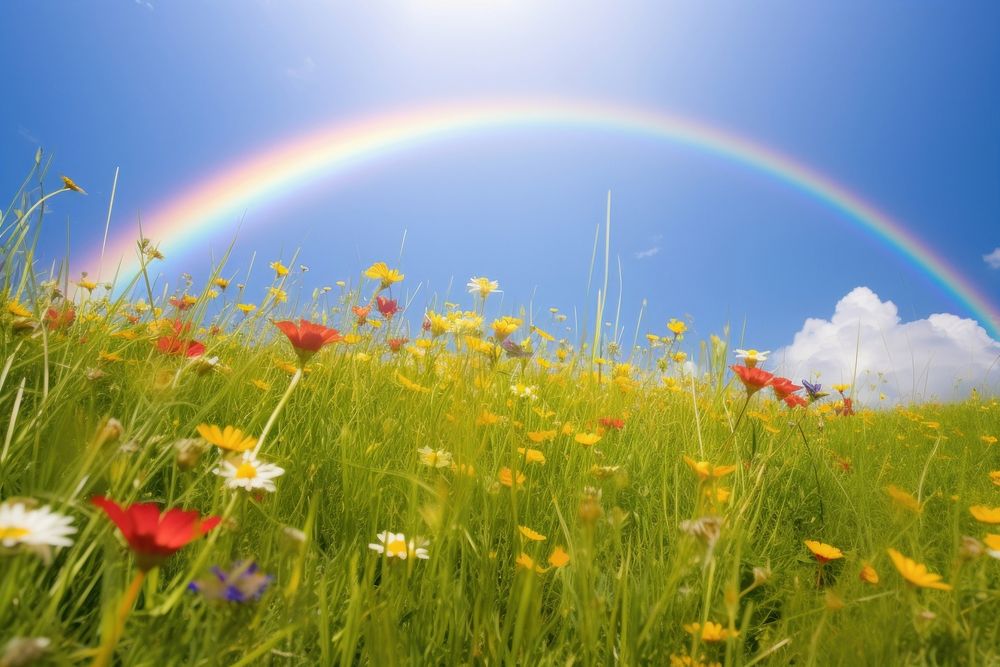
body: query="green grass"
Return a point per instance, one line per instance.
(348, 439)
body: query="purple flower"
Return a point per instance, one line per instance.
(814, 390)
(242, 583)
(515, 350)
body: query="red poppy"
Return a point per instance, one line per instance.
(396, 343)
(388, 307)
(612, 422)
(795, 401)
(154, 536)
(783, 387)
(754, 379)
(176, 345)
(362, 313)
(308, 338)
(58, 318)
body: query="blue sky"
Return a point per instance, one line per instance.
(898, 101)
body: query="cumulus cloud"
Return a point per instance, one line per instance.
(647, 253)
(865, 343)
(993, 259)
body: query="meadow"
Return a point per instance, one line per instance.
(213, 475)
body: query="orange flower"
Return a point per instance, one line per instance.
(917, 573)
(308, 338)
(558, 557)
(704, 469)
(985, 514)
(823, 552)
(507, 478)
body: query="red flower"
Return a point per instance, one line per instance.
(179, 346)
(153, 536)
(362, 313)
(795, 401)
(396, 343)
(308, 338)
(754, 379)
(388, 307)
(847, 410)
(612, 422)
(181, 303)
(58, 318)
(783, 387)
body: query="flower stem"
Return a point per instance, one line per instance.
(277, 410)
(110, 640)
(812, 461)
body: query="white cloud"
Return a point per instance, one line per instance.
(303, 70)
(942, 357)
(993, 259)
(647, 253)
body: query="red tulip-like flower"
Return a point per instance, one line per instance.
(154, 536)
(362, 313)
(396, 344)
(612, 422)
(795, 401)
(59, 318)
(176, 344)
(754, 379)
(308, 338)
(783, 387)
(387, 307)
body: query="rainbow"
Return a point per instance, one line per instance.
(294, 164)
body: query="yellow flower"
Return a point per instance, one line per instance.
(531, 455)
(221, 283)
(229, 438)
(110, 357)
(530, 534)
(88, 285)
(482, 286)
(904, 499)
(17, 310)
(587, 439)
(677, 327)
(711, 632)
(995, 477)
(988, 439)
(985, 514)
(841, 387)
(279, 295)
(823, 552)
(992, 542)
(528, 563)
(438, 324)
(868, 574)
(704, 469)
(541, 436)
(260, 384)
(558, 557)
(70, 185)
(505, 326)
(280, 270)
(680, 357)
(380, 271)
(246, 308)
(507, 478)
(487, 418)
(411, 385)
(916, 573)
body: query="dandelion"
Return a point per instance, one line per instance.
(247, 472)
(435, 458)
(308, 338)
(395, 545)
(243, 582)
(752, 357)
(280, 270)
(917, 573)
(530, 535)
(229, 438)
(34, 529)
(984, 514)
(387, 277)
(482, 286)
(824, 553)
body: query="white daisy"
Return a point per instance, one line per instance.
(394, 545)
(483, 286)
(439, 458)
(249, 473)
(752, 357)
(39, 527)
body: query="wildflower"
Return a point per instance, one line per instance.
(868, 574)
(249, 473)
(530, 534)
(520, 350)
(246, 308)
(783, 387)
(752, 357)
(995, 477)
(153, 535)
(754, 379)
(505, 326)
(386, 307)
(68, 184)
(545, 436)
(184, 302)
(361, 312)
(903, 499)
(992, 542)
(521, 390)
(308, 338)
(969, 548)
(814, 391)
(221, 283)
(229, 438)
(558, 558)
(824, 553)
(396, 344)
(841, 388)
(34, 529)
(23, 651)
(531, 455)
(439, 458)
(988, 439)
(677, 327)
(279, 295)
(795, 401)
(708, 529)
(604, 472)
(394, 545)
(243, 582)
(380, 271)
(679, 357)
(917, 573)
(587, 439)
(710, 632)
(60, 318)
(526, 562)
(508, 479)
(985, 514)
(482, 286)
(17, 310)
(189, 451)
(174, 345)
(705, 470)
(280, 270)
